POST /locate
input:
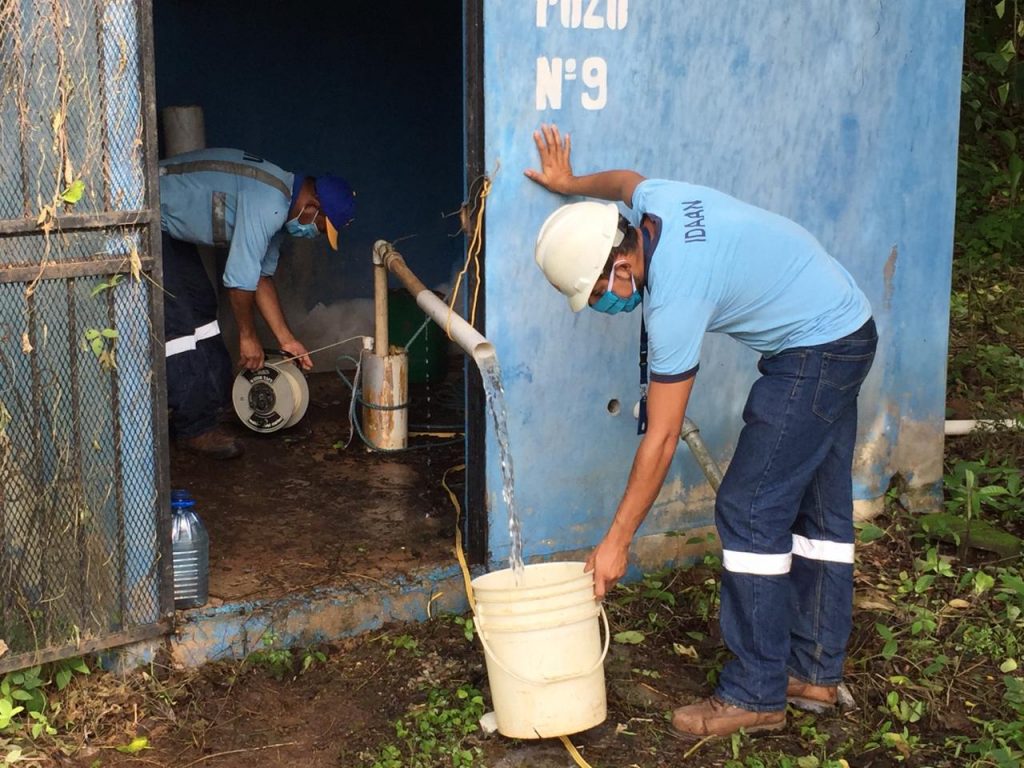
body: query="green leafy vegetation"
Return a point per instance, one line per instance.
(986, 366)
(29, 699)
(282, 662)
(433, 733)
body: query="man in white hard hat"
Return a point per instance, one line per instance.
(699, 260)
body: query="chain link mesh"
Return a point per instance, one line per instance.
(70, 107)
(77, 464)
(79, 477)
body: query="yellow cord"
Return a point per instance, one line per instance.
(459, 552)
(697, 746)
(472, 258)
(461, 555)
(574, 753)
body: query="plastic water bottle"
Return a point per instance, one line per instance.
(190, 547)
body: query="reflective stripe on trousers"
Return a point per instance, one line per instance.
(188, 343)
(775, 565)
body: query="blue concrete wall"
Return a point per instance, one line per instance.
(842, 116)
(368, 89)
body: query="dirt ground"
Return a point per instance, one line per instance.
(339, 516)
(297, 511)
(341, 711)
(337, 706)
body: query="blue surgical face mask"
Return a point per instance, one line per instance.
(610, 304)
(295, 228)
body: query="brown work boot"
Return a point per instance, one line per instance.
(810, 697)
(713, 717)
(215, 443)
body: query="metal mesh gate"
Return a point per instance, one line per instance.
(84, 540)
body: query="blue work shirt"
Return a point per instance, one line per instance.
(226, 197)
(719, 264)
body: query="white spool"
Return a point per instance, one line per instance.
(270, 398)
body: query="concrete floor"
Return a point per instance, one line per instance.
(317, 541)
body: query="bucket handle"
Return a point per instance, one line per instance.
(560, 678)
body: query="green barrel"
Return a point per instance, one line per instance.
(427, 355)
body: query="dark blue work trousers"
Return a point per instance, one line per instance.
(784, 514)
(199, 369)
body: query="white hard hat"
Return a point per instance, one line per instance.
(573, 247)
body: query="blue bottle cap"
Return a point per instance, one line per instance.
(181, 499)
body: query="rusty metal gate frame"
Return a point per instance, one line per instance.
(144, 226)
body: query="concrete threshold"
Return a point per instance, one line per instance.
(234, 630)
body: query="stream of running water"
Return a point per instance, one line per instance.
(490, 372)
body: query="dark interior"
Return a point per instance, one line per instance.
(372, 91)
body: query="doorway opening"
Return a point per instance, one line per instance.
(373, 91)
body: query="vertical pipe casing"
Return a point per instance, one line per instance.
(385, 373)
(184, 129)
(386, 385)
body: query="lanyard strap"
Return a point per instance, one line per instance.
(641, 424)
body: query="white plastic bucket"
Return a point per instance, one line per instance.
(543, 649)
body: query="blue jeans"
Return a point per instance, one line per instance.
(784, 514)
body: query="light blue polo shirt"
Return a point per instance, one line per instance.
(722, 265)
(226, 197)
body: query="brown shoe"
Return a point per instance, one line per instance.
(810, 697)
(713, 717)
(215, 443)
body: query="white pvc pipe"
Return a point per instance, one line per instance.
(966, 426)
(464, 334)
(461, 332)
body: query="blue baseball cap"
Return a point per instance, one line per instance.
(338, 202)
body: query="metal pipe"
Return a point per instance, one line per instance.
(691, 434)
(380, 304)
(953, 427)
(461, 332)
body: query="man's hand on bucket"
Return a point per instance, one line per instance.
(608, 561)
